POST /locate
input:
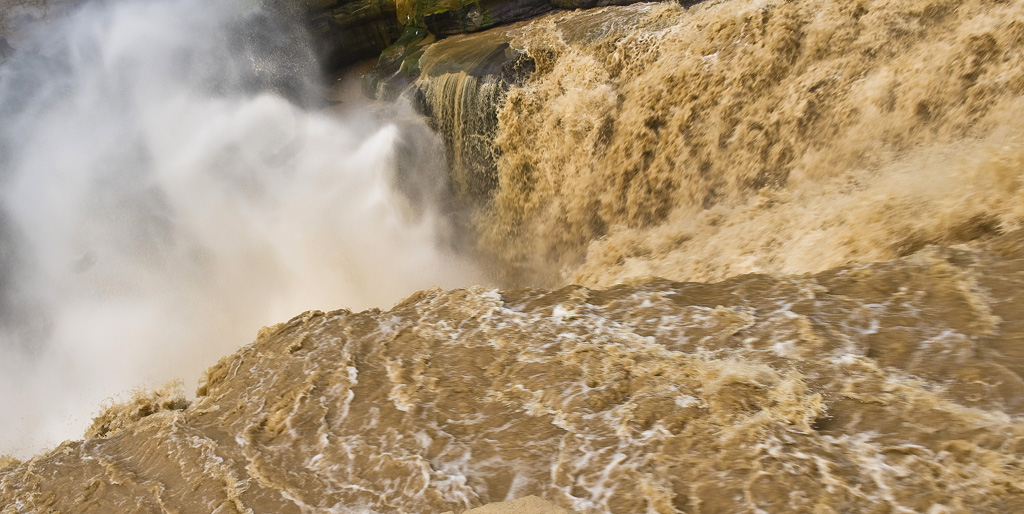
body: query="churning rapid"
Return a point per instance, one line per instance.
(168, 187)
(785, 242)
(742, 137)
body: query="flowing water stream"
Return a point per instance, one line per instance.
(772, 258)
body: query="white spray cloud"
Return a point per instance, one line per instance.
(162, 200)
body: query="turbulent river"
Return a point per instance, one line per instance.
(742, 256)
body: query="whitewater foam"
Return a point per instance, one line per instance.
(170, 184)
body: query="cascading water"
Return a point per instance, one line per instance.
(168, 186)
(756, 137)
(831, 193)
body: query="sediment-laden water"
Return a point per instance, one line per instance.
(773, 262)
(892, 387)
(739, 137)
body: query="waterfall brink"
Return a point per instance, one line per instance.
(756, 137)
(170, 183)
(773, 250)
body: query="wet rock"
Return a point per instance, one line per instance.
(587, 4)
(458, 83)
(346, 32)
(19, 18)
(463, 79)
(398, 66)
(6, 50)
(445, 18)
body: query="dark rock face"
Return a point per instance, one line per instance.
(473, 15)
(463, 80)
(587, 4)
(346, 32)
(458, 83)
(20, 18)
(5, 49)
(454, 61)
(398, 66)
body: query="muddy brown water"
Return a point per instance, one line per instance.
(892, 387)
(831, 195)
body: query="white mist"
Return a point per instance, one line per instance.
(162, 201)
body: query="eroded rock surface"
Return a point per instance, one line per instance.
(347, 31)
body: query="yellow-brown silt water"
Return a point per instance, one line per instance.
(740, 137)
(783, 269)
